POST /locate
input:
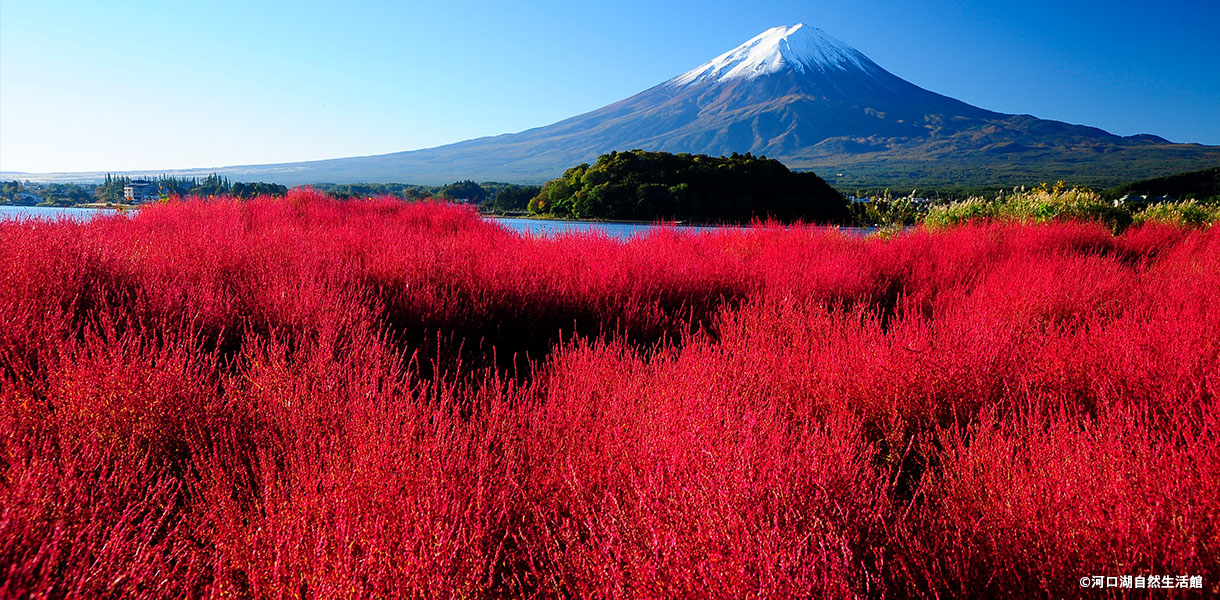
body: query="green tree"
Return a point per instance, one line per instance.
(641, 185)
(513, 197)
(111, 189)
(464, 190)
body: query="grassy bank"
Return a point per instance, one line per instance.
(1037, 205)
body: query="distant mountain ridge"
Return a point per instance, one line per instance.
(795, 94)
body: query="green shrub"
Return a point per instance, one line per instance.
(1186, 212)
(887, 211)
(1041, 204)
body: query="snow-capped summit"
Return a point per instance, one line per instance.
(792, 93)
(798, 47)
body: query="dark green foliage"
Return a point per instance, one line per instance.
(464, 190)
(13, 192)
(512, 198)
(350, 191)
(1199, 185)
(258, 188)
(212, 185)
(495, 196)
(111, 190)
(172, 186)
(47, 194)
(215, 185)
(647, 186)
(63, 194)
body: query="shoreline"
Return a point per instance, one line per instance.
(643, 223)
(102, 206)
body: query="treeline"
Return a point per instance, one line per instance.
(355, 191)
(214, 185)
(1201, 185)
(1040, 204)
(646, 186)
(491, 196)
(111, 189)
(51, 194)
(1191, 198)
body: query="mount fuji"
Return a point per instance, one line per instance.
(798, 95)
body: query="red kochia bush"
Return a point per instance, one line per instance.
(303, 397)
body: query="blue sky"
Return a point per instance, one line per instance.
(89, 86)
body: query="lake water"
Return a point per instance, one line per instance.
(524, 226)
(620, 230)
(549, 227)
(49, 212)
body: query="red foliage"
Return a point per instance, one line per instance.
(308, 398)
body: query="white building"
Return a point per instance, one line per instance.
(140, 190)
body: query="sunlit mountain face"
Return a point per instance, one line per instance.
(801, 96)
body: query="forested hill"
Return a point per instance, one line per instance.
(647, 186)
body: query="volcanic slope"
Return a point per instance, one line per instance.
(801, 96)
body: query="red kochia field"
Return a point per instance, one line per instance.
(308, 398)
